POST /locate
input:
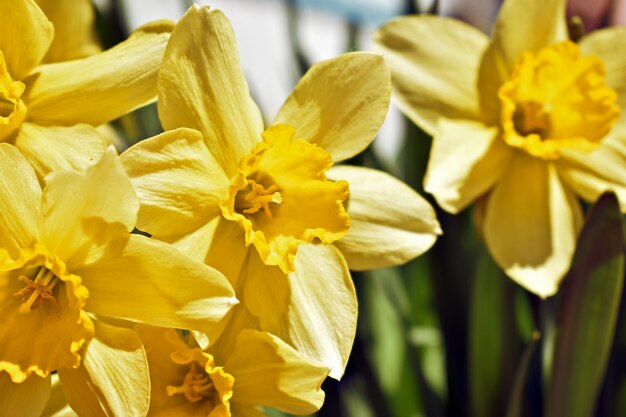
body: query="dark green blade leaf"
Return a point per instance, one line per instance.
(587, 313)
(516, 402)
(493, 339)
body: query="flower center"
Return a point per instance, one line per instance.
(557, 99)
(204, 384)
(282, 198)
(12, 109)
(38, 290)
(255, 197)
(196, 386)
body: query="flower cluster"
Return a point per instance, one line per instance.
(205, 271)
(237, 294)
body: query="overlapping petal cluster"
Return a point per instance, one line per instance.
(266, 207)
(522, 123)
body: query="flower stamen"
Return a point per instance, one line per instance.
(196, 386)
(38, 290)
(255, 196)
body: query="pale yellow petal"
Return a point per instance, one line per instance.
(320, 319)
(521, 26)
(82, 209)
(531, 224)
(270, 373)
(340, 104)
(74, 29)
(201, 86)
(25, 36)
(591, 174)
(53, 148)
(267, 291)
(607, 45)
(528, 26)
(390, 223)
(434, 66)
(148, 281)
(178, 182)
(20, 201)
(101, 87)
(466, 159)
(57, 404)
(219, 243)
(26, 399)
(113, 379)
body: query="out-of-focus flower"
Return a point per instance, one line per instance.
(66, 255)
(526, 120)
(41, 104)
(229, 379)
(264, 206)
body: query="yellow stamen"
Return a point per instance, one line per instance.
(256, 196)
(38, 290)
(196, 386)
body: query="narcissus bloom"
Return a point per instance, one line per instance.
(232, 378)
(42, 103)
(523, 122)
(66, 256)
(266, 206)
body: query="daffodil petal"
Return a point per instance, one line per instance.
(591, 174)
(201, 86)
(320, 319)
(267, 291)
(528, 26)
(340, 103)
(25, 36)
(74, 34)
(52, 148)
(57, 404)
(101, 87)
(243, 411)
(606, 45)
(434, 65)
(113, 379)
(466, 159)
(26, 399)
(84, 208)
(178, 182)
(521, 26)
(163, 371)
(270, 373)
(161, 286)
(390, 223)
(531, 224)
(20, 201)
(219, 243)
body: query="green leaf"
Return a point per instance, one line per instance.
(587, 313)
(516, 402)
(493, 340)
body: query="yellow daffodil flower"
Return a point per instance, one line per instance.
(41, 103)
(523, 122)
(232, 378)
(66, 256)
(266, 207)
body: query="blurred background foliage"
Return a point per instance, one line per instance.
(447, 334)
